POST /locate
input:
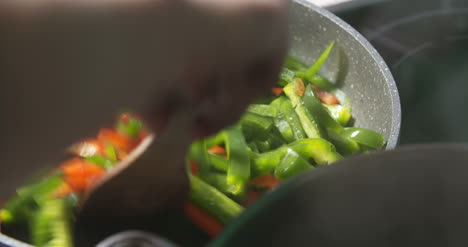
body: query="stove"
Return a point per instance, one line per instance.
(425, 44)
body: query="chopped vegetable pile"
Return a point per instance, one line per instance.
(301, 125)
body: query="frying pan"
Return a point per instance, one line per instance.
(355, 66)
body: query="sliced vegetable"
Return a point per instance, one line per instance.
(203, 220)
(366, 137)
(101, 161)
(50, 226)
(213, 201)
(110, 136)
(265, 181)
(308, 121)
(287, 110)
(315, 67)
(277, 91)
(294, 64)
(286, 76)
(239, 160)
(255, 126)
(80, 174)
(343, 144)
(217, 150)
(129, 126)
(325, 97)
(340, 113)
(21, 207)
(291, 165)
(262, 110)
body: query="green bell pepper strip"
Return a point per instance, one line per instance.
(286, 76)
(291, 165)
(366, 137)
(213, 201)
(256, 127)
(253, 147)
(293, 120)
(262, 110)
(219, 181)
(308, 121)
(214, 140)
(326, 85)
(294, 64)
(239, 161)
(283, 127)
(27, 199)
(198, 152)
(315, 67)
(111, 153)
(343, 144)
(101, 161)
(130, 128)
(219, 163)
(50, 225)
(320, 150)
(340, 113)
(316, 109)
(281, 122)
(264, 146)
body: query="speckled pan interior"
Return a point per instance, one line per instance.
(355, 66)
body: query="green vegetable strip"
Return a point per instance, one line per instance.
(291, 165)
(256, 127)
(111, 153)
(199, 154)
(293, 120)
(319, 62)
(311, 102)
(219, 163)
(239, 161)
(365, 136)
(286, 76)
(343, 144)
(294, 64)
(308, 122)
(101, 161)
(320, 150)
(340, 113)
(219, 181)
(213, 201)
(262, 110)
(283, 127)
(212, 141)
(50, 226)
(21, 207)
(326, 85)
(131, 128)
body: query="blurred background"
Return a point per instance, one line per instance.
(425, 44)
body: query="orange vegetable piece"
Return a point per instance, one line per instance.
(118, 141)
(266, 181)
(63, 190)
(252, 196)
(217, 150)
(81, 175)
(203, 220)
(277, 90)
(194, 167)
(326, 97)
(299, 87)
